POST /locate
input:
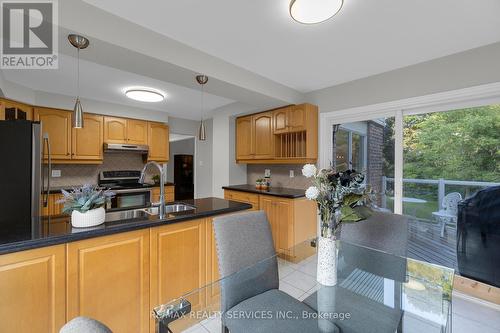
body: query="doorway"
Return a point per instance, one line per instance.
(181, 166)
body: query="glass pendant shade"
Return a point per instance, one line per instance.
(202, 132)
(78, 114)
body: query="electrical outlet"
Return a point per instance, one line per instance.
(267, 173)
(292, 173)
(56, 173)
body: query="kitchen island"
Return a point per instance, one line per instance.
(116, 272)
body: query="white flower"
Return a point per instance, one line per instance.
(312, 192)
(309, 170)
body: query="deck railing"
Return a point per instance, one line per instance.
(441, 183)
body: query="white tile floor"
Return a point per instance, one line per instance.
(298, 280)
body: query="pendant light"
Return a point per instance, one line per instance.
(202, 132)
(80, 43)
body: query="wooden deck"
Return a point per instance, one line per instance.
(426, 244)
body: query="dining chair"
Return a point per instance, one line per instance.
(249, 279)
(449, 211)
(84, 325)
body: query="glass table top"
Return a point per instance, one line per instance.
(375, 292)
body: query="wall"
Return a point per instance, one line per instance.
(178, 147)
(75, 175)
(280, 175)
(220, 149)
(466, 69)
(203, 167)
(237, 172)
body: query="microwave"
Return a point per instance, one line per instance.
(130, 198)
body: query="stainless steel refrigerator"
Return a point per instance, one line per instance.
(24, 179)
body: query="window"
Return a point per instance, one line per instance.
(350, 147)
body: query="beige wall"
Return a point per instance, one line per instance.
(466, 69)
(280, 175)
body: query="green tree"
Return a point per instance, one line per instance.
(461, 145)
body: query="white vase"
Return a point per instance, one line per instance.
(327, 261)
(90, 218)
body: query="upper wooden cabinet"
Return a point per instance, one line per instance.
(10, 109)
(72, 145)
(87, 141)
(57, 124)
(115, 130)
(244, 138)
(158, 138)
(121, 130)
(263, 135)
(287, 135)
(33, 290)
(137, 132)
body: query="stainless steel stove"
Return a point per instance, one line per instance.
(129, 192)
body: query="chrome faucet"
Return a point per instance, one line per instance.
(162, 185)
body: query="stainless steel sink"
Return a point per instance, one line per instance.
(147, 212)
(125, 215)
(173, 208)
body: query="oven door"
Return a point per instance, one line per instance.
(130, 198)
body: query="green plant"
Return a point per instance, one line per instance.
(84, 198)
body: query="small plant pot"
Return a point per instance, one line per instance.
(90, 218)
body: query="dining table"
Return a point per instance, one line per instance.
(376, 291)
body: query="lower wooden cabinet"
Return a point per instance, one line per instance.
(178, 262)
(249, 198)
(169, 194)
(292, 221)
(108, 280)
(33, 290)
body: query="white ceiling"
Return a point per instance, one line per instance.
(106, 84)
(365, 38)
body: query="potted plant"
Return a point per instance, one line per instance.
(337, 194)
(156, 179)
(85, 204)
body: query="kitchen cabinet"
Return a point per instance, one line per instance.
(249, 198)
(263, 135)
(54, 208)
(178, 262)
(122, 130)
(87, 141)
(108, 280)
(18, 110)
(137, 132)
(115, 130)
(244, 138)
(292, 221)
(57, 123)
(33, 290)
(287, 135)
(169, 193)
(158, 138)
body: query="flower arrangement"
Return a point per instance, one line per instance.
(337, 195)
(84, 198)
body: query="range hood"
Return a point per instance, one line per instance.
(120, 147)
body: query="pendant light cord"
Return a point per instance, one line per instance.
(78, 74)
(202, 104)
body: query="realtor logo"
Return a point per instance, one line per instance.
(29, 35)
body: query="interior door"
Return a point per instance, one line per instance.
(57, 123)
(87, 141)
(244, 138)
(263, 137)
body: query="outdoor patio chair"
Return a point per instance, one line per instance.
(449, 211)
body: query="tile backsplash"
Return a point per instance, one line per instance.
(280, 175)
(79, 174)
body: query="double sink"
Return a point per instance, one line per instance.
(147, 212)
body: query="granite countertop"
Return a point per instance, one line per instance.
(58, 230)
(57, 189)
(275, 191)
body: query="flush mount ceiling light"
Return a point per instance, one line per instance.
(145, 94)
(314, 11)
